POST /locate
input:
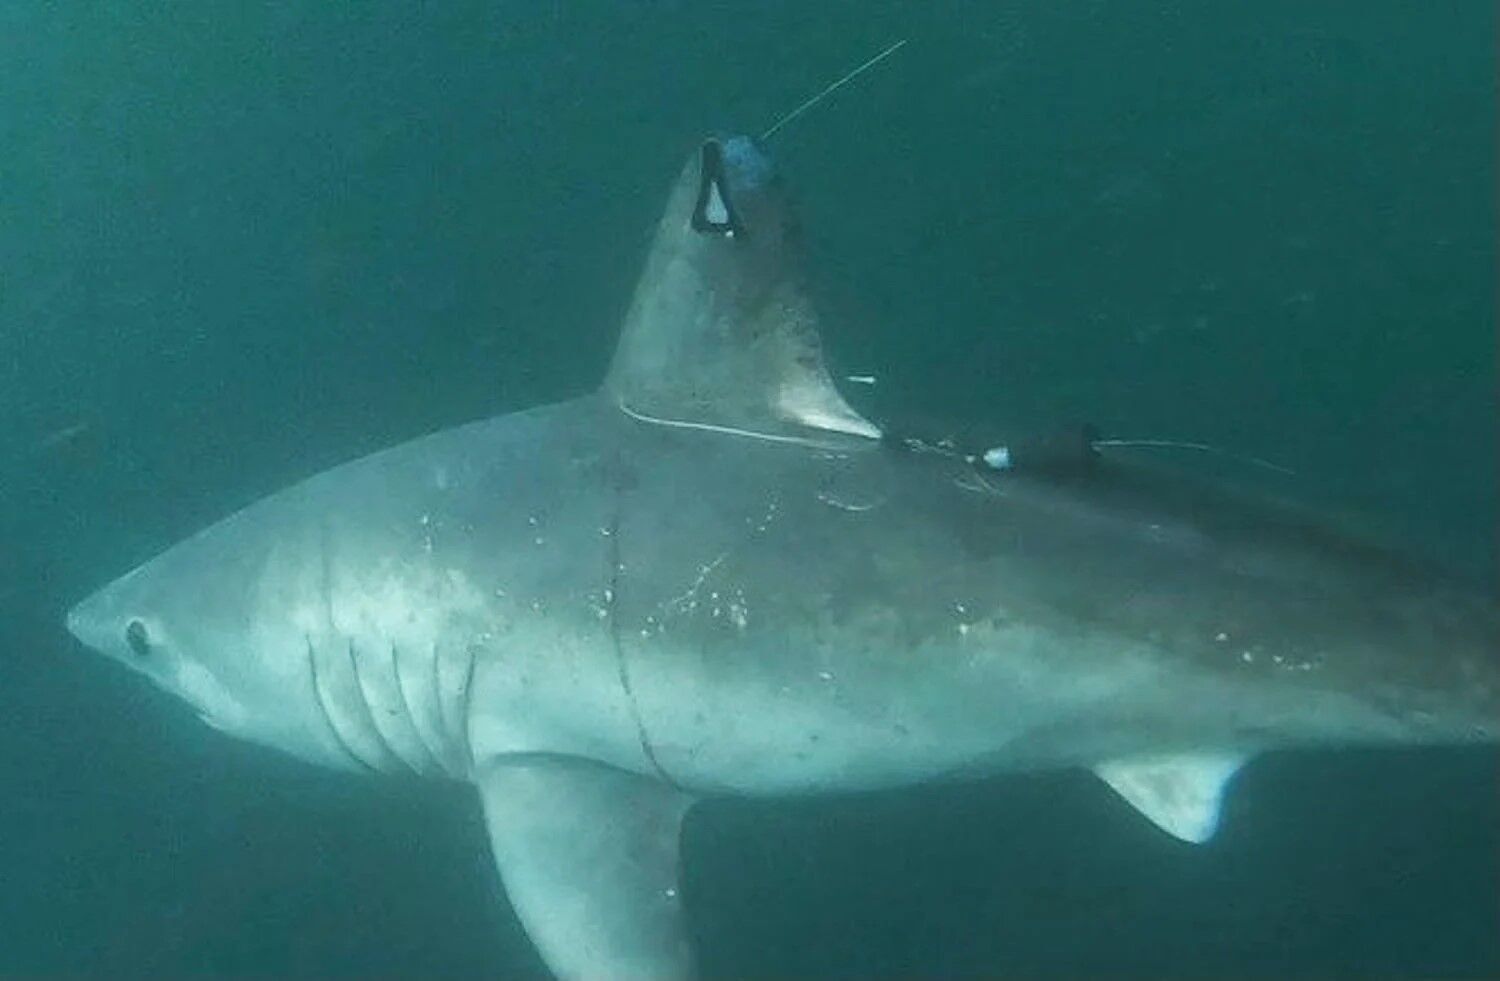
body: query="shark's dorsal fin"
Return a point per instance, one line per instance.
(721, 334)
(1182, 795)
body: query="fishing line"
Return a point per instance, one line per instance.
(851, 76)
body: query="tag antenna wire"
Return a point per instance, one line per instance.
(851, 76)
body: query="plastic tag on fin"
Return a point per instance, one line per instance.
(715, 210)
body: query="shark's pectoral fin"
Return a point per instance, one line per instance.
(1182, 795)
(588, 855)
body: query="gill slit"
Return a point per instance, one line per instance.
(364, 703)
(427, 750)
(622, 663)
(466, 718)
(455, 730)
(333, 727)
(444, 722)
(312, 655)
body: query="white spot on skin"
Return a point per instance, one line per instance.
(1221, 637)
(844, 505)
(826, 675)
(688, 599)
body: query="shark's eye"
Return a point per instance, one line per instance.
(137, 639)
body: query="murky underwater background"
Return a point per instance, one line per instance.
(243, 242)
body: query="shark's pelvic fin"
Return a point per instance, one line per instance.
(721, 332)
(1182, 795)
(589, 858)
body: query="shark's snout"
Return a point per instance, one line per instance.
(84, 623)
(99, 623)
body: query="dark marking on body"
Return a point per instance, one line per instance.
(612, 576)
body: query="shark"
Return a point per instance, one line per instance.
(713, 576)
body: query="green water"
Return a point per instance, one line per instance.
(242, 242)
